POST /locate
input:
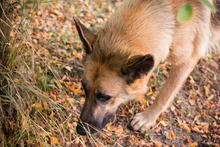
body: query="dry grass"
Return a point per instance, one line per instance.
(38, 106)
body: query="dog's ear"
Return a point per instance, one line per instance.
(137, 67)
(86, 36)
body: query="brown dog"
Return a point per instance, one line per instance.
(121, 57)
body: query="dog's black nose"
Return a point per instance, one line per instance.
(81, 128)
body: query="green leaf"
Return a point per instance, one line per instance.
(209, 55)
(208, 4)
(185, 13)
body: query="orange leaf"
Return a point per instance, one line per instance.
(196, 129)
(194, 144)
(191, 102)
(185, 126)
(53, 96)
(173, 135)
(119, 130)
(109, 128)
(158, 144)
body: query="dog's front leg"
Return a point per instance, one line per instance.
(143, 121)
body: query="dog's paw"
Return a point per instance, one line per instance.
(143, 121)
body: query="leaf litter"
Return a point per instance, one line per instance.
(194, 119)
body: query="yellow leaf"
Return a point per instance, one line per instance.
(46, 52)
(149, 93)
(69, 83)
(82, 100)
(38, 106)
(194, 144)
(191, 102)
(211, 97)
(129, 110)
(206, 89)
(144, 101)
(16, 80)
(185, 126)
(75, 52)
(109, 128)
(151, 90)
(53, 140)
(76, 90)
(168, 135)
(125, 103)
(58, 85)
(71, 100)
(163, 123)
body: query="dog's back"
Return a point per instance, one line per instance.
(151, 26)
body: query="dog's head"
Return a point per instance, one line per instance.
(111, 77)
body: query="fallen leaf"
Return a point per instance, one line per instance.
(144, 101)
(46, 52)
(130, 111)
(58, 85)
(194, 144)
(68, 68)
(16, 80)
(163, 123)
(53, 96)
(38, 106)
(82, 100)
(185, 126)
(196, 129)
(206, 89)
(172, 135)
(53, 140)
(191, 102)
(179, 101)
(119, 130)
(210, 97)
(172, 107)
(205, 127)
(158, 144)
(109, 128)
(44, 133)
(168, 135)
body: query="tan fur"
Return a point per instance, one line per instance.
(139, 28)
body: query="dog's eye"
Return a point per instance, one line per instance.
(102, 97)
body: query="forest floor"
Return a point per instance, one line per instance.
(193, 119)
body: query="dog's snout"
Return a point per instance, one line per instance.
(83, 129)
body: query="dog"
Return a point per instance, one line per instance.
(122, 55)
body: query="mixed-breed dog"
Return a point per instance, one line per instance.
(122, 55)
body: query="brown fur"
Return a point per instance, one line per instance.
(123, 54)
